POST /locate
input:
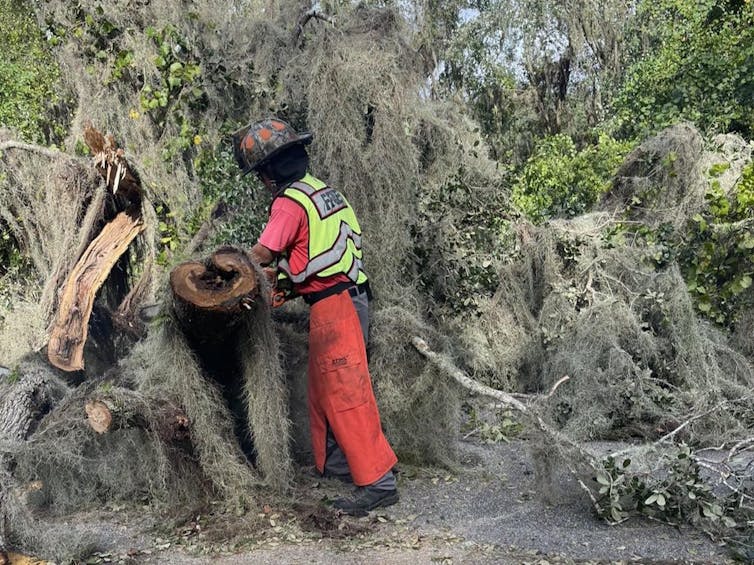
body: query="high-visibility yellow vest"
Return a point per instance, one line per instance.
(334, 233)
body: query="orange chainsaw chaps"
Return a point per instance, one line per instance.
(340, 392)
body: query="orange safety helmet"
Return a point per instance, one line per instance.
(255, 144)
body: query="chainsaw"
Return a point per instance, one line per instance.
(282, 287)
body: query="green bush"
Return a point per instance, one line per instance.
(462, 234)
(559, 180)
(716, 253)
(694, 61)
(244, 200)
(28, 76)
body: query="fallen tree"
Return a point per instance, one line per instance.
(564, 305)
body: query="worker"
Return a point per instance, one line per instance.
(315, 238)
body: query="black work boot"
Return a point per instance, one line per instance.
(366, 499)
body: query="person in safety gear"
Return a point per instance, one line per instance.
(315, 238)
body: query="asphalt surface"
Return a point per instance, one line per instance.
(487, 512)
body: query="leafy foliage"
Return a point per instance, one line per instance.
(501, 426)
(559, 180)
(28, 76)
(716, 252)
(244, 200)
(468, 227)
(682, 495)
(178, 89)
(693, 61)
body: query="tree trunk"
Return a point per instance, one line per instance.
(210, 297)
(24, 403)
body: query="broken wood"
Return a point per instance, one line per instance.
(65, 349)
(110, 161)
(126, 317)
(169, 422)
(211, 296)
(69, 330)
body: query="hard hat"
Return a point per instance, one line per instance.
(256, 144)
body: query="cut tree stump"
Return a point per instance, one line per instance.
(211, 296)
(66, 346)
(170, 422)
(99, 414)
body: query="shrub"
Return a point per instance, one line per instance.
(699, 66)
(28, 76)
(560, 180)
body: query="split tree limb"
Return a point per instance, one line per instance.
(70, 328)
(68, 336)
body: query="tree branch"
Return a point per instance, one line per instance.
(46, 151)
(478, 388)
(304, 19)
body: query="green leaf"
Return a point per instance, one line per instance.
(651, 500)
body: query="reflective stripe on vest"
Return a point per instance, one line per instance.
(334, 233)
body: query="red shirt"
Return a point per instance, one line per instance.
(287, 233)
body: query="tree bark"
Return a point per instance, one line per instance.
(23, 405)
(210, 297)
